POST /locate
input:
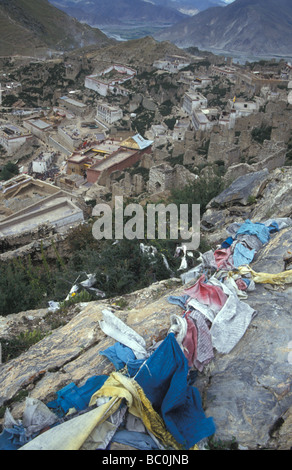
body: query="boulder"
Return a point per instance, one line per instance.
(257, 196)
(276, 198)
(241, 190)
(149, 104)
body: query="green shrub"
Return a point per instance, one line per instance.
(259, 134)
(21, 288)
(9, 171)
(13, 347)
(218, 444)
(9, 100)
(170, 123)
(76, 298)
(200, 192)
(288, 161)
(166, 108)
(203, 150)
(143, 120)
(178, 160)
(120, 268)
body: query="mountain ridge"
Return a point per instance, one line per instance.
(244, 26)
(101, 12)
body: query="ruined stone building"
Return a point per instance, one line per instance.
(164, 177)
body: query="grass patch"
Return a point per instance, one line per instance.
(260, 134)
(14, 347)
(218, 444)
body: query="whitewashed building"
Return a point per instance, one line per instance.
(171, 63)
(200, 82)
(13, 137)
(204, 119)
(42, 163)
(243, 108)
(180, 129)
(108, 113)
(110, 80)
(227, 119)
(224, 71)
(38, 127)
(192, 101)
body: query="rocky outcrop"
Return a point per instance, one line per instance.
(71, 353)
(271, 156)
(258, 196)
(247, 392)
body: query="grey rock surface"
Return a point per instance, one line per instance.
(257, 196)
(247, 392)
(241, 190)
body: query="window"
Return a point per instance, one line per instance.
(157, 186)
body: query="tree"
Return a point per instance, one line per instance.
(9, 171)
(260, 134)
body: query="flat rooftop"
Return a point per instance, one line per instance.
(112, 160)
(110, 77)
(107, 106)
(107, 146)
(51, 210)
(71, 131)
(12, 131)
(39, 123)
(79, 104)
(181, 124)
(201, 117)
(78, 158)
(195, 96)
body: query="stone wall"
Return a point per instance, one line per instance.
(271, 156)
(222, 147)
(164, 178)
(130, 185)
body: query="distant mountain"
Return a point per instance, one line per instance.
(188, 7)
(114, 12)
(254, 27)
(33, 26)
